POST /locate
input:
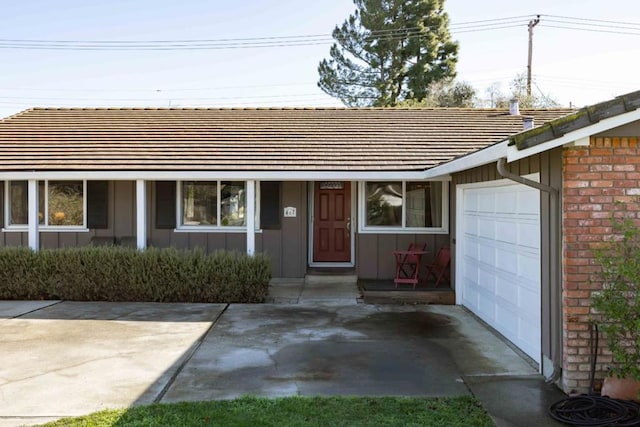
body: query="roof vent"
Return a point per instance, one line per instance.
(514, 107)
(527, 123)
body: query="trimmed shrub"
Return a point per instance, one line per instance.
(111, 273)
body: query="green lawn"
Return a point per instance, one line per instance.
(296, 411)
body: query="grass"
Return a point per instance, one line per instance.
(295, 411)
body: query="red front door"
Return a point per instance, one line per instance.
(332, 222)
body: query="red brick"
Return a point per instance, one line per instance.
(600, 230)
(590, 191)
(627, 183)
(613, 191)
(600, 168)
(571, 160)
(602, 183)
(592, 160)
(590, 207)
(601, 215)
(600, 199)
(626, 168)
(600, 152)
(577, 261)
(577, 294)
(576, 152)
(590, 175)
(576, 215)
(576, 184)
(614, 175)
(625, 151)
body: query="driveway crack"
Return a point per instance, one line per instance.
(188, 355)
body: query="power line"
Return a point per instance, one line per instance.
(155, 99)
(200, 89)
(251, 42)
(569, 23)
(635, 24)
(591, 30)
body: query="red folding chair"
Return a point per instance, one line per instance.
(439, 269)
(408, 264)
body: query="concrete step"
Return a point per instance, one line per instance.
(330, 279)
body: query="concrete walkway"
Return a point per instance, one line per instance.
(68, 358)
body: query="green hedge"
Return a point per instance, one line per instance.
(110, 273)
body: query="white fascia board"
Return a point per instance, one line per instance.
(514, 154)
(211, 175)
(479, 158)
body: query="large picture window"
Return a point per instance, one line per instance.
(415, 206)
(60, 203)
(212, 203)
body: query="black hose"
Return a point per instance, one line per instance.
(596, 411)
(593, 410)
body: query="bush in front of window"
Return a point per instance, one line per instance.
(110, 273)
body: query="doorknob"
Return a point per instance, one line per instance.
(349, 224)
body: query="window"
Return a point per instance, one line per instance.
(212, 203)
(415, 206)
(60, 203)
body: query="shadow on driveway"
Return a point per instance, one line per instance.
(72, 358)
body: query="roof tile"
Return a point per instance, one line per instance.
(251, 138)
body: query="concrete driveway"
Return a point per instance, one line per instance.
(70, 358)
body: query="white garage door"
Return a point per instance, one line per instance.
(498, 259)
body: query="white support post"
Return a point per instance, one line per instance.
(33, 219)
(250, 215)
(141, 214)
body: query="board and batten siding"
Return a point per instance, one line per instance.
(374, 252)
(120, 200)
(285, 244)
(549, 166)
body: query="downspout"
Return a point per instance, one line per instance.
(554, 261)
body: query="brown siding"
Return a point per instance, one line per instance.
(120, 219)
(374, 251)
(549, 166)
(286, 247)
(294, 232)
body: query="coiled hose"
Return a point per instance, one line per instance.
(593, 410)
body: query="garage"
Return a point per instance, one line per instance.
(498, 259)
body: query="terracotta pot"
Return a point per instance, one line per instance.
(621, 388)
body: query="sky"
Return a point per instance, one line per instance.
(578, 58)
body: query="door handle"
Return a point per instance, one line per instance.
(349, 225)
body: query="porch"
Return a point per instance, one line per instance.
(385, 292)
(348, 292)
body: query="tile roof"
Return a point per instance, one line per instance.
(251, 139)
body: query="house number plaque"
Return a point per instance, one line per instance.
(331, 185)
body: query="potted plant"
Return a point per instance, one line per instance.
(618, 308)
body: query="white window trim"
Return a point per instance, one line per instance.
(181, 228)
(403, 229)
(44, 227)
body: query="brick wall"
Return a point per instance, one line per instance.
(594, 178)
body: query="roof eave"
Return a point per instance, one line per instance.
(574, 122)
(298, 175)
(577, 136)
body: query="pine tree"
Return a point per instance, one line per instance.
(389, 51)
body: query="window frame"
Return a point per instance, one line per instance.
(403, 228)
(45, 226)
(218, 228)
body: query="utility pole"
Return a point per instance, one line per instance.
(532, 24)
